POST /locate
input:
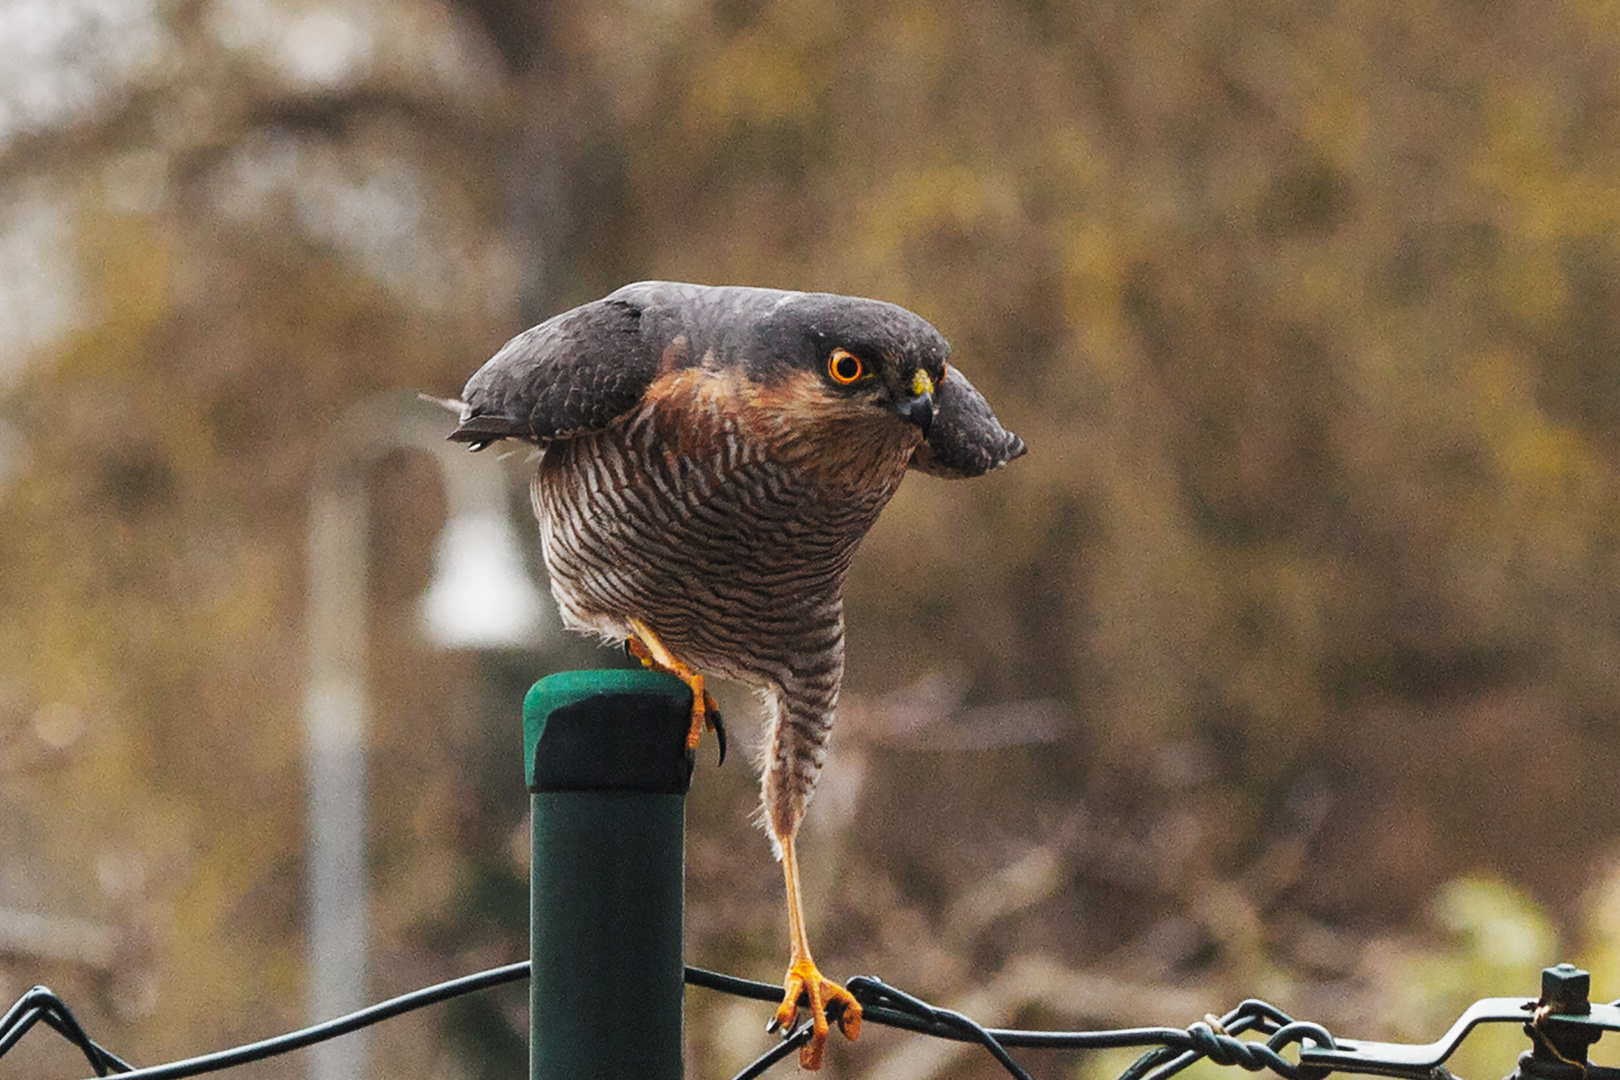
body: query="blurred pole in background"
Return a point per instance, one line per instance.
(480, 597)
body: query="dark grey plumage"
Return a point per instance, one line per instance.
(708, 473)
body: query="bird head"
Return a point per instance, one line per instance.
(861, 356)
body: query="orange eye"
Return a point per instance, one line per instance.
(845, 367)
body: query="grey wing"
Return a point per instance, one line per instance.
(966, 439)
(576, 372)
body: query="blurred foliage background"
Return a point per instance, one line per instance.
(1286, 664)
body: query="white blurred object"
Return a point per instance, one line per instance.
(481, 597)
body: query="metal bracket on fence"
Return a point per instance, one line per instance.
(608, 773)
(1561, 1024)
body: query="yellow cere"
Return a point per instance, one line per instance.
(921, 384)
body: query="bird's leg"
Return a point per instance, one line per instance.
(805, 984)
(646, 647)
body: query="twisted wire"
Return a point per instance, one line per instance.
(1173, 1049)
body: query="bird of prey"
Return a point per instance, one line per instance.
(712, 455)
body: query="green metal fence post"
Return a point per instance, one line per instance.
(608, 772)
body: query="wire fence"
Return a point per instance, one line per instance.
(601, 787)
(1561, 1025)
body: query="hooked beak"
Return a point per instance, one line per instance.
(918, 408)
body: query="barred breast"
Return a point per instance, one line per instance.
(735, 559)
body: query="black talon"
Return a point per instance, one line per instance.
(718, 724)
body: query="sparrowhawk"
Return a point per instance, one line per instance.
(711, 458)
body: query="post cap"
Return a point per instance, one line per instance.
(1567, 989)
(619, 730)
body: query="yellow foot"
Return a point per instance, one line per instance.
(805, 985)
(646, 647)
